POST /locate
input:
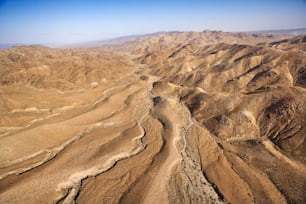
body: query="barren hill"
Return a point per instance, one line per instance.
(148, 43)
(296, 43)
(208, 117)
(42, 67)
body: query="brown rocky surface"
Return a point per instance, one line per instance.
(192, 118)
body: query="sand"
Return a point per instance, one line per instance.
(192, 123)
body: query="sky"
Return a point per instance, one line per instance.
(74, 21)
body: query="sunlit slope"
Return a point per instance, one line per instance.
(186, 123)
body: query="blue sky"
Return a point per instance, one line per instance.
(72, 21)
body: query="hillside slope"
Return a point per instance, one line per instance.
(180, 121)
(147, 43)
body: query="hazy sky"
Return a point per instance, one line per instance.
(70, 21)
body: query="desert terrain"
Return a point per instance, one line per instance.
(187, 117)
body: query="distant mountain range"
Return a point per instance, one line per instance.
(8, 45)
(211, 36)
(132, 38)
(297, 31)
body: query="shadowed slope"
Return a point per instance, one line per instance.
(178, 123)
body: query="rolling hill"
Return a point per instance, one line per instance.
(182, 117)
